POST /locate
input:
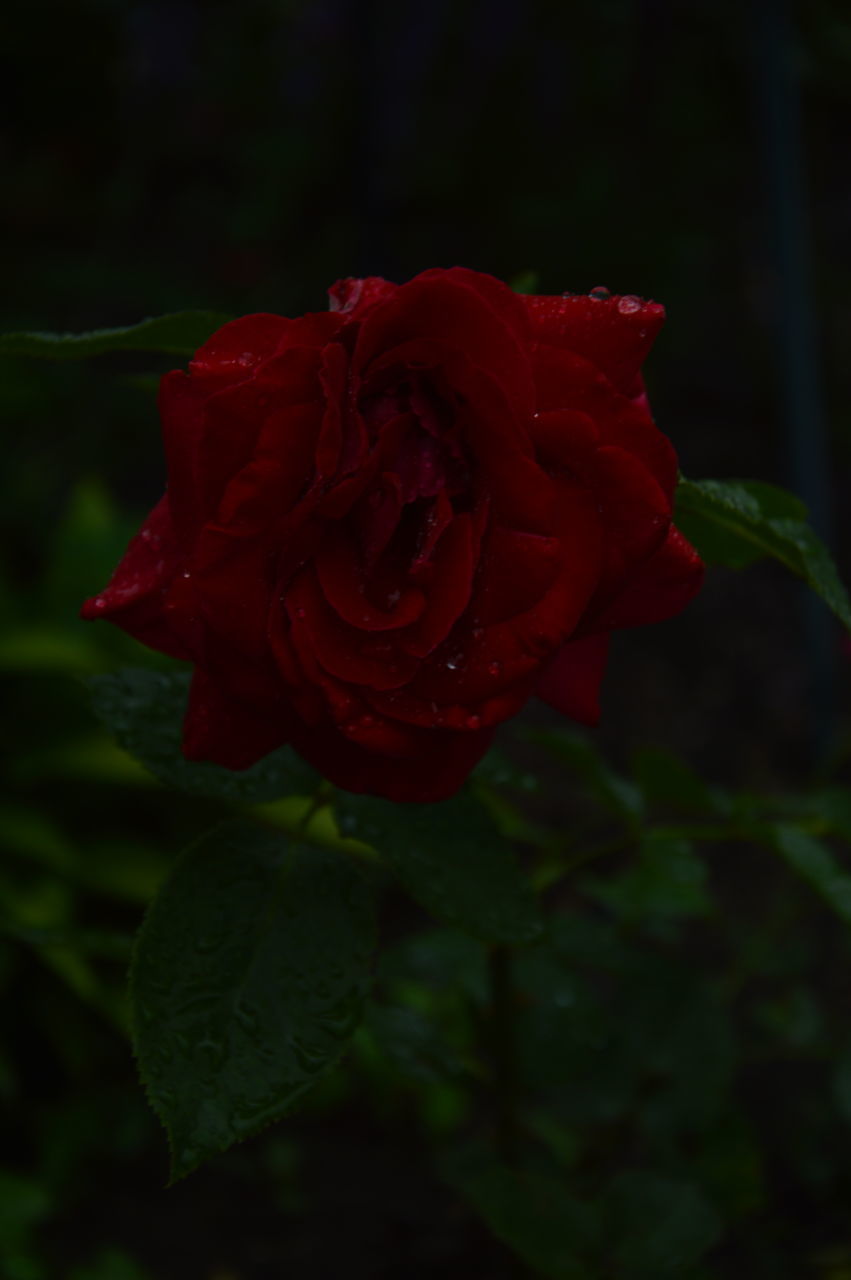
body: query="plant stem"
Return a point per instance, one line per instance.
(503, 1049)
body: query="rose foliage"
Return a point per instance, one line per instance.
(388, 526)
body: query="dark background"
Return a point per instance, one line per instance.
(174, 155)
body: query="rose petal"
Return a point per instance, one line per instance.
(433, 768)
(343, 581)
(615, 334)
(570, 682)
(137, 594)
(659, 588)
(227, 732)
(516, 569)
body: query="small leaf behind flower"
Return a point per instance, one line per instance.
(145, 709)
(247, 983)
(452, 859)
(180, 334)
(736, 522)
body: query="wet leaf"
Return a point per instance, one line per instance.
(247, 983)
(180, 333)
(145, 709)
(736, 522)
(452, 859)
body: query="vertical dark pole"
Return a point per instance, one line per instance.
(796, 335)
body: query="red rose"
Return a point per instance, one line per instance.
(387, 526)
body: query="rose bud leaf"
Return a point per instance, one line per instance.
(247, 982)
(453, 861)
(179, 334)
(737, 522)
(144, 709)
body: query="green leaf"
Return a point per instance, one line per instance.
(536, 1216)
(145, 709)
(617, 794)
(180, 333)
(667, 782)
(247, 982)
(657, 1226)
(812, 860)
(666, 879)
(452, 859)
(736, 522)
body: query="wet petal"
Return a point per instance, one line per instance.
(615, 334)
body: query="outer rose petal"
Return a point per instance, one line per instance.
(227, 731)
(136, 598)
(435, 766)
(615, 334)
(659, 589)
(571, 681)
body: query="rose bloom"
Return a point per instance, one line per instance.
(389, 525)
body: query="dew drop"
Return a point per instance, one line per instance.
(494, 668)
(366, 722)
(99, 602)
(474, 722)
(245, 359)
(478, 632)
(186, 574)
(300, 613)
(599, 293)
(629, 304)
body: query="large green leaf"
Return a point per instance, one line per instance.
(736, 522)
(180, 334)
(145, 709)
(247, 982)
(452, 859)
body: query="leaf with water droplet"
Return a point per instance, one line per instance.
(735, 522)
(180, 333)
(145, 709)
(453, 860)
(230, 1034)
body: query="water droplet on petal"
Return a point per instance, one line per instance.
(494, 668)
(186, 574)
(99, 602)
(629, 304)
(474, 722)
(599, 293)
(245, 359)
(301, 613)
